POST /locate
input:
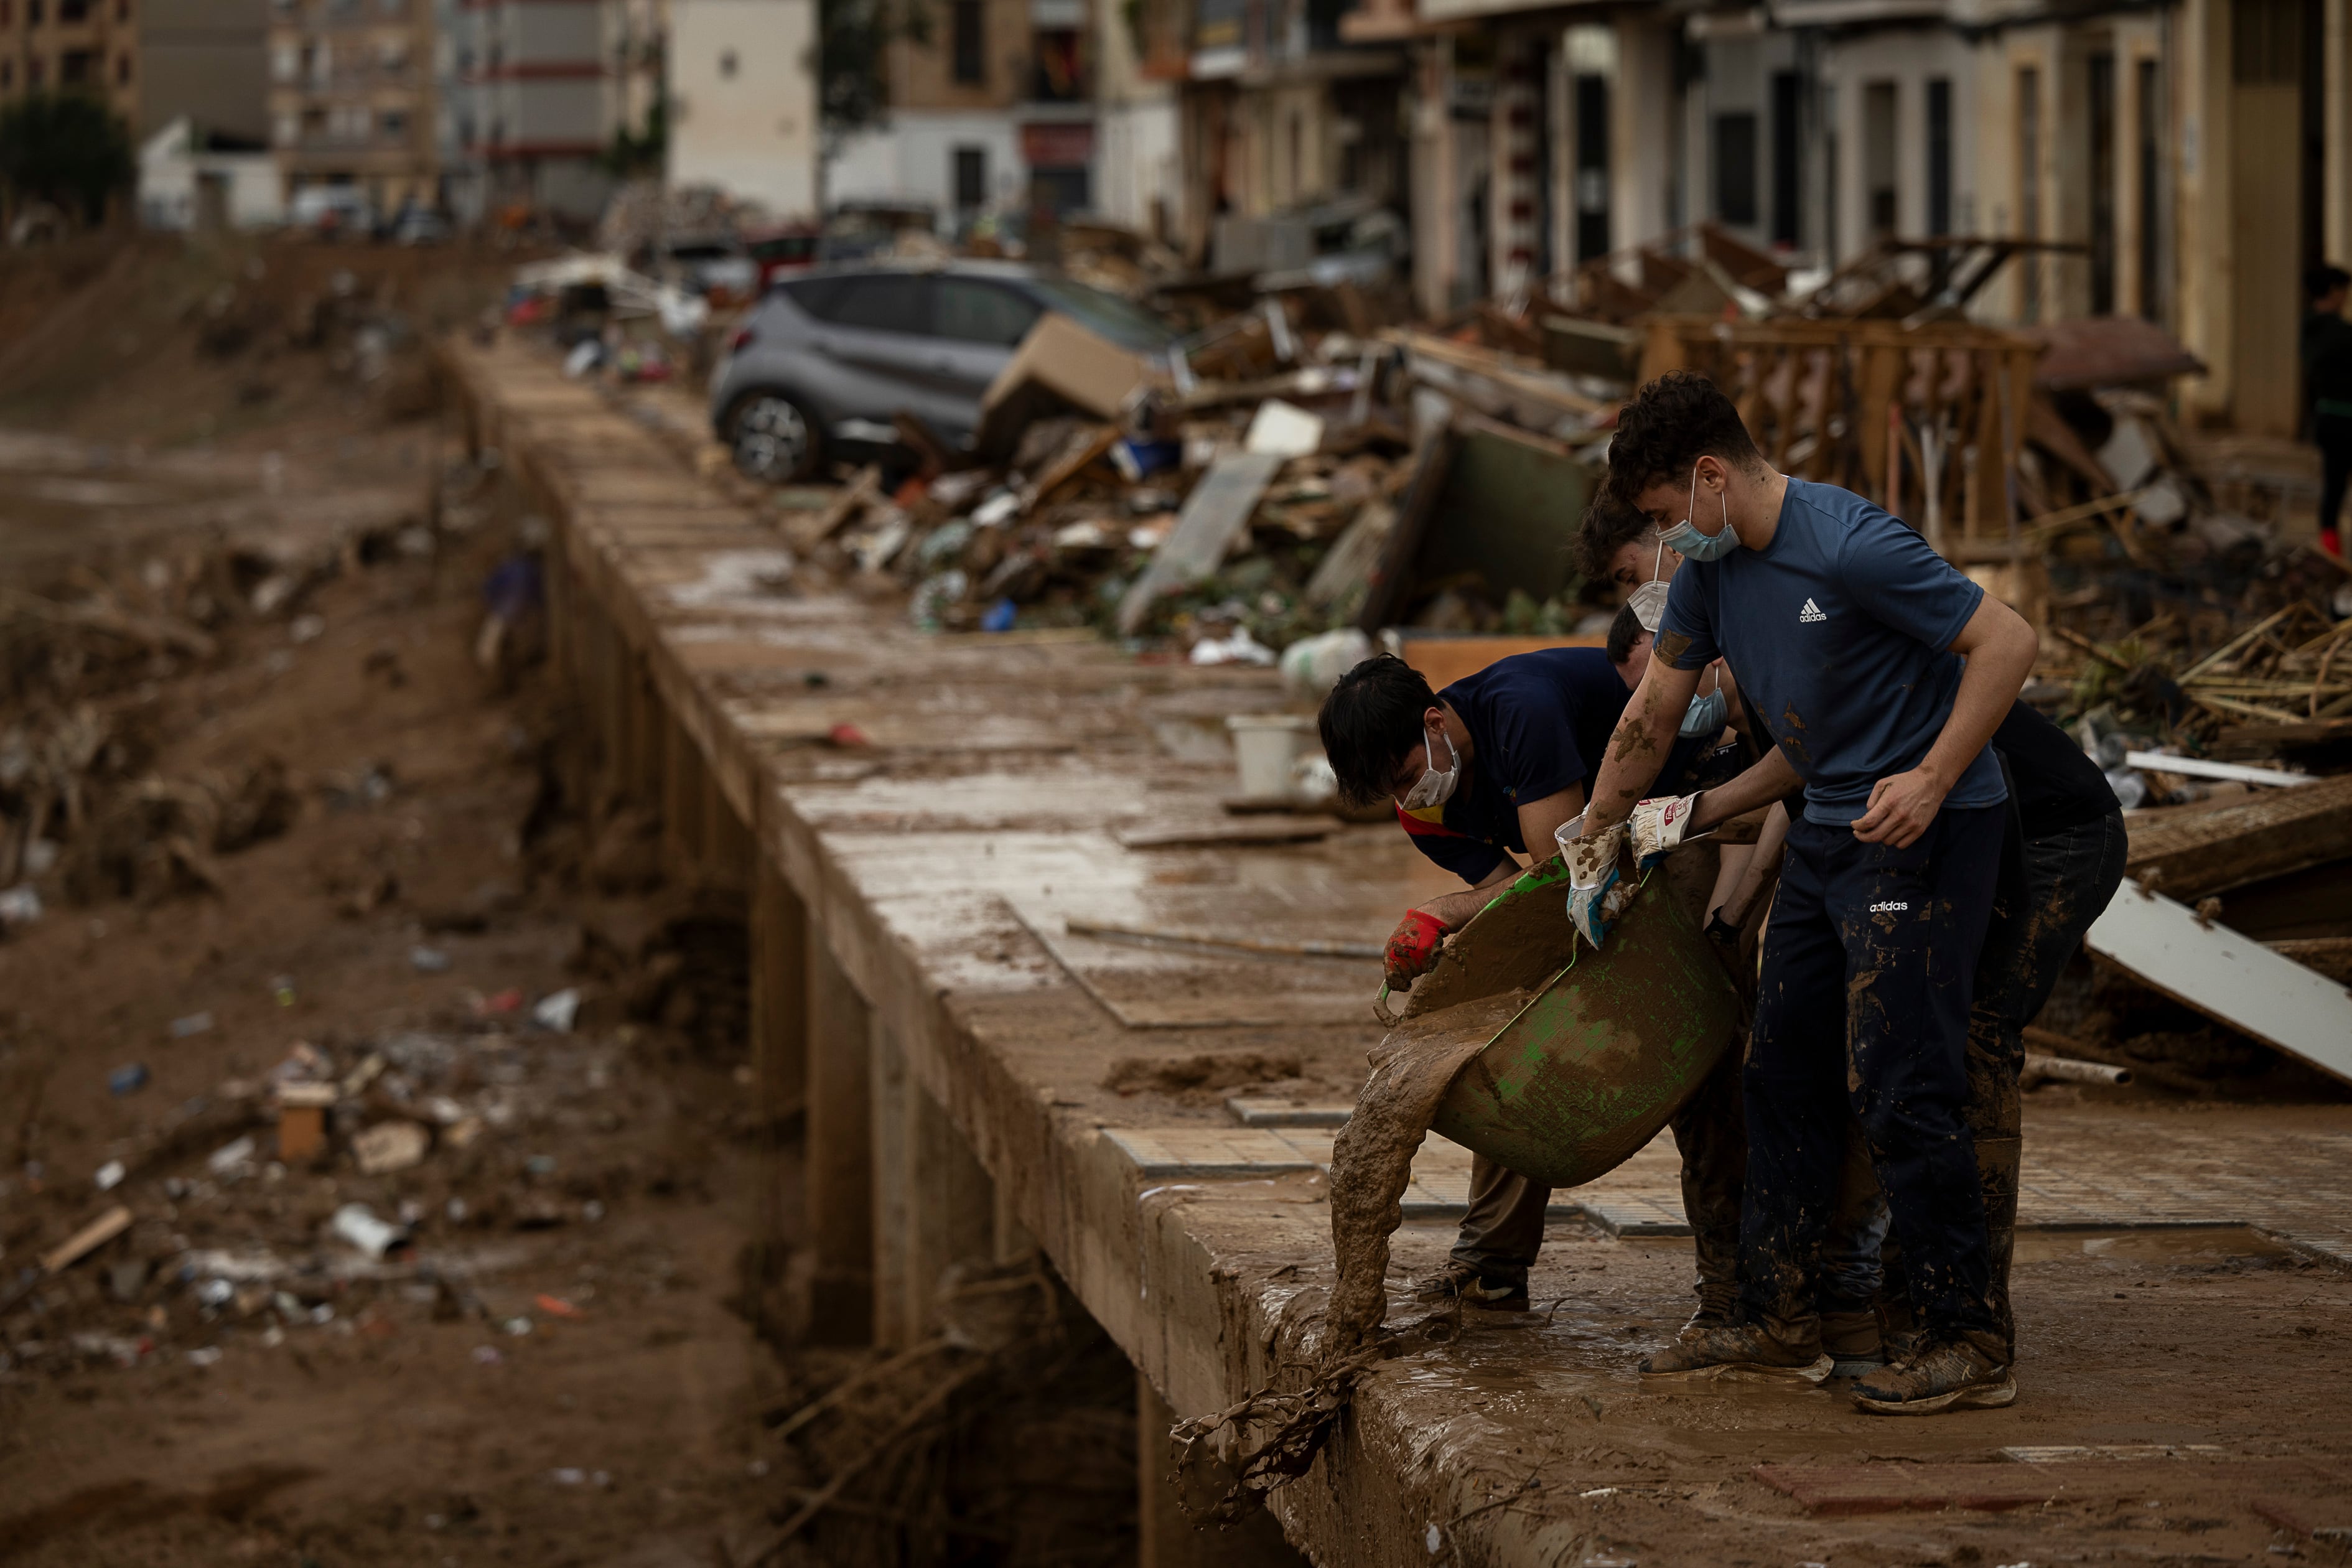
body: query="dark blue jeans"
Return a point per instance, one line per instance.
(1869, 970)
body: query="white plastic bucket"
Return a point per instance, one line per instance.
(1267, 747)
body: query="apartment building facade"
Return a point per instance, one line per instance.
(995, 111)
(536, 92)
(742, 111)
(2193, 156)
(89, 45)
(352, 98)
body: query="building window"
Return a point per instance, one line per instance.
(969, 52)
(394, 124)
(2100, 111)
(1788, 152)
(1939, 155)
(2151, 195)
(1880, 201)
(284, 128)
(79, 68)
(1734, 169)
(970, 177)
(727, 65)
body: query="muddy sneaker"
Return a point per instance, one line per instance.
(1852, 1340)
(1947, 1374)
(1463, 1282)
(1740, 1348)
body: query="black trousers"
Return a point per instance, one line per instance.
(2334, 434)
(1869, 971)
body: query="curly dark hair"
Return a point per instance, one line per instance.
(1369, 721)
(1608, 527)
(1671, 424)
(1623, 632)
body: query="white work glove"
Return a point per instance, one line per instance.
(1594, 877)
(1659, 824)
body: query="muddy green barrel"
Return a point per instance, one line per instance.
(1611, 1044)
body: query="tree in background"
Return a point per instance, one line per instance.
(67, 149)
(853, 61)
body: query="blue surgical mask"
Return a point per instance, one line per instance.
(1434, 788)
(1705, 715)
(1684, 539)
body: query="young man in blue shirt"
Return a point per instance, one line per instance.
(1480, 772)
(1880, 673)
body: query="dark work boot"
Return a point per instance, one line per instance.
(1956, 1371)
(1463, 1282)
(1718, 1251)
(1777, 1350)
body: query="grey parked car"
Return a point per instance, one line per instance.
(826, 361)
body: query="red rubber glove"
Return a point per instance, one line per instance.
(1412, 947)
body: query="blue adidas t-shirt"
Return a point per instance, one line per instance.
(1539, 722)
(1841, 630)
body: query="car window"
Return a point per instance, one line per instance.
(976, 313)
(813, 295)
(1127, 324)
(884, 303)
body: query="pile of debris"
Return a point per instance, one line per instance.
(211, 1228)
(82, 814)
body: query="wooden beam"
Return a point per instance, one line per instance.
(2267, 837)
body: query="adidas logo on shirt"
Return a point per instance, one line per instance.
(1811, 612)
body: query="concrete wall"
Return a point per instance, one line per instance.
(1137, 178)
(204, 59)
(742, 99)
(913, 158)
(171, 176)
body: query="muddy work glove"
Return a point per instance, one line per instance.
(1659, 824)
(1597, 894)
(1412, 947)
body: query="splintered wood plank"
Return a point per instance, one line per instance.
(2228, 977)
(2205, 852)
(1877, 1487)
(1215, 514)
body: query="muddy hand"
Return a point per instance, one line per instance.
(1659, 824)
(1412, 947)
(1593, 875)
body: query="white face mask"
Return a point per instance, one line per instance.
(1434, 787)
(1649, 599)
(1649, 604)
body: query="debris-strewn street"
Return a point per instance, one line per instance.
(594, 970)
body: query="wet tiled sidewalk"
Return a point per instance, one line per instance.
(2287, 1173)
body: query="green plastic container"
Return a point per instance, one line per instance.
(1613, 1043)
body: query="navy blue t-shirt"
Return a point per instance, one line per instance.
(1841, 630)
(1539, 722)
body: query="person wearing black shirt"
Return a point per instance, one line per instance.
(1480, 772)
(2327, 346)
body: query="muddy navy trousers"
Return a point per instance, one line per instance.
(1868, 969)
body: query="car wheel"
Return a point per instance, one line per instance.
(772, 437)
